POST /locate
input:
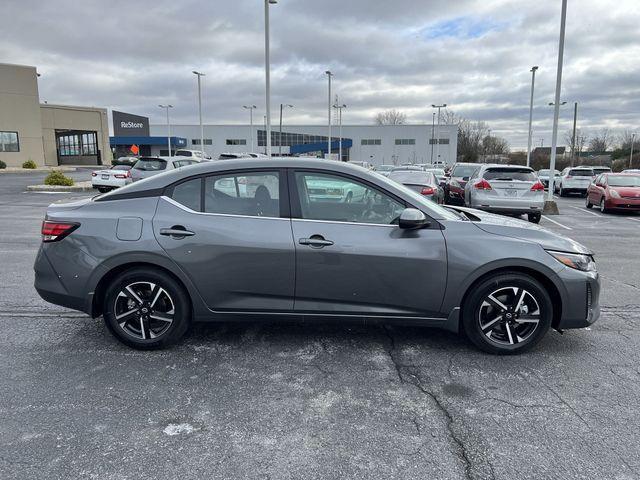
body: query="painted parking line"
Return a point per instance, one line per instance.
(557, 223)
(583, 209)
(634, 219)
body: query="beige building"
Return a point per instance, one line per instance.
(47, 134)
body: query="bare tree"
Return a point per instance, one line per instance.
(391, 117)
(601, 141)
(624, 140)
(581, 141)
(495, 145)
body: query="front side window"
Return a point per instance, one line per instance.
(253, 194)
(9, 142)
(336, 198)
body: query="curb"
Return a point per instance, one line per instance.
(78, 187)
(35, 170)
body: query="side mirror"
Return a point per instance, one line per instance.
(412, 218)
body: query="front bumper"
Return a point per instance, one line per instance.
(581, 305)
(632, 204)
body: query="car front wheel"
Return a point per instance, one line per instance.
(507, 313)
(146, 309)
(534, 217)
(603, 207)
(587, 202)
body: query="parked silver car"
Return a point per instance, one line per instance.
(424, 183)
(149, 166)
(190, 245)
(509, 189)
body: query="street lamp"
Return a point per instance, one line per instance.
(339, 108)
(533, 82)
(433, 133)
(633, 138)
(267, 71)
(329, 75)
(251, 108)
(280, 134)
(167, 107)
(199, 75)
(438, 135)
(556, 110)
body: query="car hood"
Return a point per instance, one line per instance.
(627, 191)
(516, 228)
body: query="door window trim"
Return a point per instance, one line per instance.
(296, 208)
(283, 190)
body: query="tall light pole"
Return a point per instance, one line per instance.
(573, 136)
(251, 108)
(633, 137)
(339, 108)
(280, 133)
(199, 74)
(556, 109)
(167, 107)
(433, 134)
(438, 135)
(533, 83)
(267, 71)
(329, 75)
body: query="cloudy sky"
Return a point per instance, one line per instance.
(406, 54)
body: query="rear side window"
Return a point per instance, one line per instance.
(252, 194)
(510, 174)
(188, 194)
(150, 164)
(583, 172)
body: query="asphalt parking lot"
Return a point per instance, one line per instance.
(292, 401)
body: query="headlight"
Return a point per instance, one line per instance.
(614, 194)
(584, 263)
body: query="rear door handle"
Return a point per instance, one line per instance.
(177, 231)
(315, 241)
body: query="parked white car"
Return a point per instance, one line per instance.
(149, 166)
(574, 180)
(193, 154)
(114, 177)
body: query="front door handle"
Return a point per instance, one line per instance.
(315, 241)
(177, 232)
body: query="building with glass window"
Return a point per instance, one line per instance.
(377, 144)
(47, 134)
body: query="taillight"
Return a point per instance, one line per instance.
(427, 191)
(569, 176)
(54, 231)
(483, 185)
(537, 187)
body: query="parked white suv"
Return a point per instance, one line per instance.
(192, 154)
(574, 180)
(149, 166)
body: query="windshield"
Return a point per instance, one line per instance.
(411, 177)
(121, 167)
(510, 174)
(581, 172)
(463, 170)
(420, 201)
(437, 171)
(597, 170)
(150, 164)
(623, 181)
(543, 172)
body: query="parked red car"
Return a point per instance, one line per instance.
(615, 191)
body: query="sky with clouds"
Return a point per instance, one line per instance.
(405, 54)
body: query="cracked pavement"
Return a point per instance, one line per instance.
(315, 400)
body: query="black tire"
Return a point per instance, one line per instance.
(534, 217)
(500, 339)
(603, 208)
(587, 203)
(104, 189)
(161, 327)
(562, 192)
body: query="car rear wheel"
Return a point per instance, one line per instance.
(587, 202)
(507, 313)
(146, 309)
(603, 207)
(562, 192)
(103, 189)
(534, 217)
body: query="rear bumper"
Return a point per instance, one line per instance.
(506, 206)
(50, 287)
(581, 305)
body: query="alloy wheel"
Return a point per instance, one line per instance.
(144, 310)
(509, 315)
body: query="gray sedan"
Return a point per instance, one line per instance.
(248, 238)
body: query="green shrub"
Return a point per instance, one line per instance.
(2, 165)
(56, 177)
(30, 164)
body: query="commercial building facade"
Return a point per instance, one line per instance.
(50, 135)
(377, 144)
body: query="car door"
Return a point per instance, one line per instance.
(237, 245)
(593, 191)
(352, 258)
